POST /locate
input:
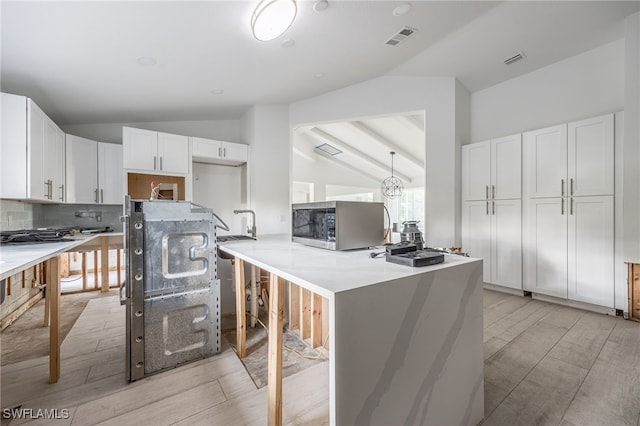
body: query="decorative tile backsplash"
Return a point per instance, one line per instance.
(19, 215)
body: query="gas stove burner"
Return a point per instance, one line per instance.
(34, 236)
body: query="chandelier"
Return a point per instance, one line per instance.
(392, 186)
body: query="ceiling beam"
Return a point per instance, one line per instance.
(324, 137)
(304, 154)
(414, 122)
(369, 132)
(344, 164)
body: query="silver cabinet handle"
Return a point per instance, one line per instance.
(50, 189)
(562, 206)
(493, 207)
(571, 187)
(154, 162)
(160, 163)
(62, 192)
(571, 206)
(219, 151)
(102, 196)
(562, 187)
(487, 206)
(486, 192)
(96, 198)
(493, 191)
(224, 152)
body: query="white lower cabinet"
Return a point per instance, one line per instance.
(569, 248)
(492, 231)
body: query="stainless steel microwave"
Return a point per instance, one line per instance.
(338, 225)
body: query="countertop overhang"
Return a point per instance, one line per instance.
(326, 272)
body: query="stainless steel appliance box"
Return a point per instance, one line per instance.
(172, 293)
(338, 225)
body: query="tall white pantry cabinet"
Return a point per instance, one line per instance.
(492, 211)
(569, 217)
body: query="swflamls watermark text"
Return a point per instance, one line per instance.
(36, 413)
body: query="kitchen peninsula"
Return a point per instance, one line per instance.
(405, 344)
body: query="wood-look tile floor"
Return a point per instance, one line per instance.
(544, 364)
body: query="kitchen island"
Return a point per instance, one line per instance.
(405, 344)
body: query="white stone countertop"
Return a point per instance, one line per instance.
(326, 272)
(17, 258)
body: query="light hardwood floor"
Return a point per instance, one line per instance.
(544, 364)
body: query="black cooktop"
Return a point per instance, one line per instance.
(44, 235)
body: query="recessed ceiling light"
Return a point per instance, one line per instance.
(146, 61)
(320, 5)
(217, 92)
(318, 75)
(271, 18)
(288, 42)
(402, 9)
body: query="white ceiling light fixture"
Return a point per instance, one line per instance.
(320, 5)
(402, 9)
(271, 18)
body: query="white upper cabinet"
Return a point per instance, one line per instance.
(147, 150)
(574, 159)
(590, 155)
(32, 152)
(492, 169)
(110, 173)
(82, 175)
(94, 173)
(218, 152)
(546, 162)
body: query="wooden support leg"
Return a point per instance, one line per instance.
(104, 261)
(294, 306)
(254, 298)
(241, 301)
(305, 313)
(47, 307)
(274, 373)
(84, 271)
(95, 269)
(316, 320)
(53, 294)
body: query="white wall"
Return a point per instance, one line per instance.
(225, 130)
(582, 86)
(463, 136)
(266, 129)
(631, 177)
(391, 95)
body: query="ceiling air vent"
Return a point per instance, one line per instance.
(401, 36)
(514, 58)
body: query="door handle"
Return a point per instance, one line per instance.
(571, 206)
(154, 162)
(562, 206)
(571, 187)
(486, 192)
(160, 163)
(219, 151)
(487, 206)
(224, 152)
(493, 191)
(562, 187)
(62, 192)
(96, 192)
(102, 196)
(50, 189)
(493, 207)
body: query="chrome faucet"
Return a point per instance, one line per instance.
(252, 229)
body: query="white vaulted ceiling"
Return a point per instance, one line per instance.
(79, 60)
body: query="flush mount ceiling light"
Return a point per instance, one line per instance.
(271, 18)
(328, 149)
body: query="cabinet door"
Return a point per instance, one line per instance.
(476, 234)
(506, 167)
(38, 182)
(173, 153)
(205, 150)
(590, 153)
(140, 149)
(591, 250)
(545, 162)
(545, 270)
(235, 153)
(54, 160)
(82, 170)
(110, 173)
(476, 171)
(60, 190)
(506, 240)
